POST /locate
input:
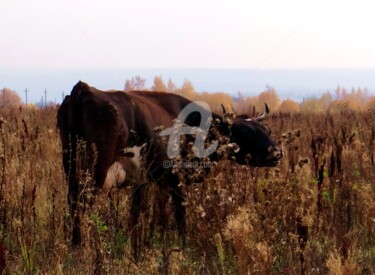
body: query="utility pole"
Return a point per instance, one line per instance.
(45, 97)
(26, 96)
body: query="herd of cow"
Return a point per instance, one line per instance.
(117, 126)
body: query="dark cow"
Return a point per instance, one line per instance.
(114, 120)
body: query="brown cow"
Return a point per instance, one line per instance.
(114, 120)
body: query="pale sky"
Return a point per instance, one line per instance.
(194, 33)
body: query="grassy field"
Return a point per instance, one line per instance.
(313, 214)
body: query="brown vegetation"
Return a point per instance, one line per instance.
(289, 106)
(9, 98)
(313, 214)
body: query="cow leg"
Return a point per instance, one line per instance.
(178, 198)
(69, 168)
(81, 161)
(163, 215)
(160, 215)
(69, 161)
(134, 226)
(73, 194)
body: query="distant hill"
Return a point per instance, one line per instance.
(289, 83)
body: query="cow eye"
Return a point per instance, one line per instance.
(129, 154)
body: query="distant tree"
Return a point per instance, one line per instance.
(216, 99)
(311, 105)
(128, 85)
(370, 105)
(239, 105)
(41, 103)
(364, 104)
(343, 100)
(9, 98)
(171, 87)
(361, 96)
(135, 83)
(289, 106)
(356, 98)
(159, 84)
(252, 105)
(187, 90)
(341, 93)
(325, 100)
(30, 106)
(244, 104)
(270, 97)
(340, 105)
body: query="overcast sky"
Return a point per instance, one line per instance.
(194, 33)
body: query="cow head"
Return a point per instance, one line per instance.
(256, 148)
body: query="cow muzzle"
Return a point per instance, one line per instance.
(275, 153)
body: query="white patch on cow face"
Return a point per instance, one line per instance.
(135, 153)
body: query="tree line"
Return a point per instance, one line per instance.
(341, 99)
(357, 99)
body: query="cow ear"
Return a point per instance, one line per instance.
(265, 113)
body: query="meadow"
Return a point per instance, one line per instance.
(313, 214)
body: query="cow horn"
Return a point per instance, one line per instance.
(265, 113)
(224, 109)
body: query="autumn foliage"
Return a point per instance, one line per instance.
(9, 98)
(289, 106)
(336, 102)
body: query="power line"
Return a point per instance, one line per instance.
(286, 38)
(70, 20)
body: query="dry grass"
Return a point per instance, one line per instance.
(314, 214)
